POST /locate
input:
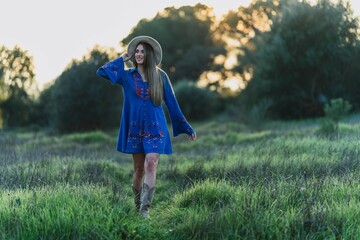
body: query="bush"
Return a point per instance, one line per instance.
(195, 102)
(256, 116)
(301, 61)
(334, 111)
(337, 109)
(83, 101)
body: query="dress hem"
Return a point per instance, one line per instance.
(159, 152)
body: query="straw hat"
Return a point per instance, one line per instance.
(155, 45)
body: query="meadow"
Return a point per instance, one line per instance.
(281, 180)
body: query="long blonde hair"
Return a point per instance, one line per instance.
(152, 74)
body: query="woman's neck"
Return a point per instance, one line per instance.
(141, 70)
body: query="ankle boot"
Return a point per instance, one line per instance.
(137, 201)
(147, 195)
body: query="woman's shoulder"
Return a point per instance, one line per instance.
(163, 74)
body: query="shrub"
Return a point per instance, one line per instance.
(256, 116)
(334, 111)
(297, 62)
(337, 109)
(83, 101)
(195, 102)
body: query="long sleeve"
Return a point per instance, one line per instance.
(179, 123)
(113, 71)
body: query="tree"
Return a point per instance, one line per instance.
(301, 63)
(186, 35)
(17, 78)
(239, 29)
(192, 100)
(81, 100)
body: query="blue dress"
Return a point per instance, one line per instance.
(143, 127)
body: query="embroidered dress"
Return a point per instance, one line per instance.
(143, 126)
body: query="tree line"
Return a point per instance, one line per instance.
(292, 58)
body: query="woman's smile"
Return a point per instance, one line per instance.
(139, 60)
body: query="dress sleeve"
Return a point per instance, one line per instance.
(179, 123)
(113, 71)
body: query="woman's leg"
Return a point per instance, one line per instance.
(151, 161)
(148, 189)
(139, 159)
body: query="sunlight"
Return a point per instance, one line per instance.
(234, 84)
(222, 7)
(208, 78)
(219, 59)
(248, 75)
(231, 61)
(213, 77)
(229, 85)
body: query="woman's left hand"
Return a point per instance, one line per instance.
(125, 56)
(191, 137)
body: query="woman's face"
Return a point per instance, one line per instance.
(140, 54)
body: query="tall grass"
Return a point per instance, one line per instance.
(284, 181)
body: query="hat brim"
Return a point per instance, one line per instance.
(153, 43)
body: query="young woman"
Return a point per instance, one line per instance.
(143, 129)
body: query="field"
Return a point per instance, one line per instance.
(283, 180)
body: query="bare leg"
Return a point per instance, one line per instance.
(151, 161)
(148, 189)
(139, 159)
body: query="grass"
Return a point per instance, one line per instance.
(283, 181)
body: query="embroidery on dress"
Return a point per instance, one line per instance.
(142, 92)
(153, 135)
(112, 68)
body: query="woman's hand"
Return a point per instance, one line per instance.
(191, 137)
(126, 56)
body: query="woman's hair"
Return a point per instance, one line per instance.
(152, 74)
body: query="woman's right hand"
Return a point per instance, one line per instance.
(126, 56)
(191, 137)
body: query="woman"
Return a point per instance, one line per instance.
(143, 129)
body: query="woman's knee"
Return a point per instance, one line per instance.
(151, 162)
(139, 171)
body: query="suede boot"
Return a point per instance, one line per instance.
(147, 195)
(137, 198)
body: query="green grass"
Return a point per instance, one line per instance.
(285, 181)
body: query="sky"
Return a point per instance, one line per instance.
(56, 31)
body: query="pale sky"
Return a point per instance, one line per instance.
(56, 31)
